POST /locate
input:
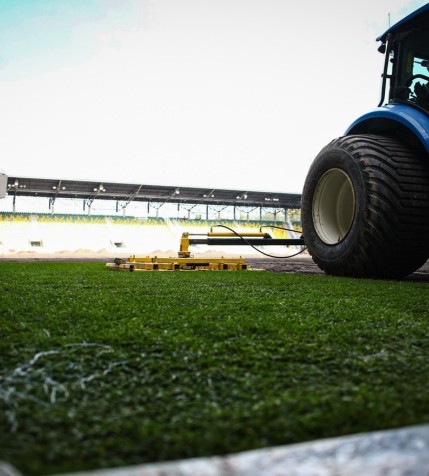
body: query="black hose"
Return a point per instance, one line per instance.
(260, 251)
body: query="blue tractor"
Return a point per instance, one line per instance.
(365, 201)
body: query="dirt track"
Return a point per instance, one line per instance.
(305, 265)
(299, 264)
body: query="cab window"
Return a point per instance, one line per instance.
(412, 76)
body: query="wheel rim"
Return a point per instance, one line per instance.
(333, 206)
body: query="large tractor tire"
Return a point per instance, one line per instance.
(365, 208)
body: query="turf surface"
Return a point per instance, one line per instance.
(101, 369)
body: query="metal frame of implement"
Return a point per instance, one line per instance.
(186, 262)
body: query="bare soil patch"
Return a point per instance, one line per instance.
(304, 264)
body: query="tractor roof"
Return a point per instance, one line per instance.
(407, 22)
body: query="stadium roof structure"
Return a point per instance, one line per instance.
(121, 192)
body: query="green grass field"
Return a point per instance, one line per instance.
(102, 369)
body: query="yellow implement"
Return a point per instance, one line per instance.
(186, 262)
(154, 263)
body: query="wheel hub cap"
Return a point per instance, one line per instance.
(333, 206)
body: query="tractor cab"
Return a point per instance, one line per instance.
(406, 45)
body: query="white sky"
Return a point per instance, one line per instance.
(235, 94)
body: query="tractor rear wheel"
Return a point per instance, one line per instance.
(365, 208)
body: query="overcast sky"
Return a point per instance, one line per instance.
(237, 94)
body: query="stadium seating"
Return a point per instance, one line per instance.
(67, 233)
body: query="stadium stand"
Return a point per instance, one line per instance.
(25, 227)
(66, 233)
(15, 217)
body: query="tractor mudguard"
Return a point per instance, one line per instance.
(396, 120)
